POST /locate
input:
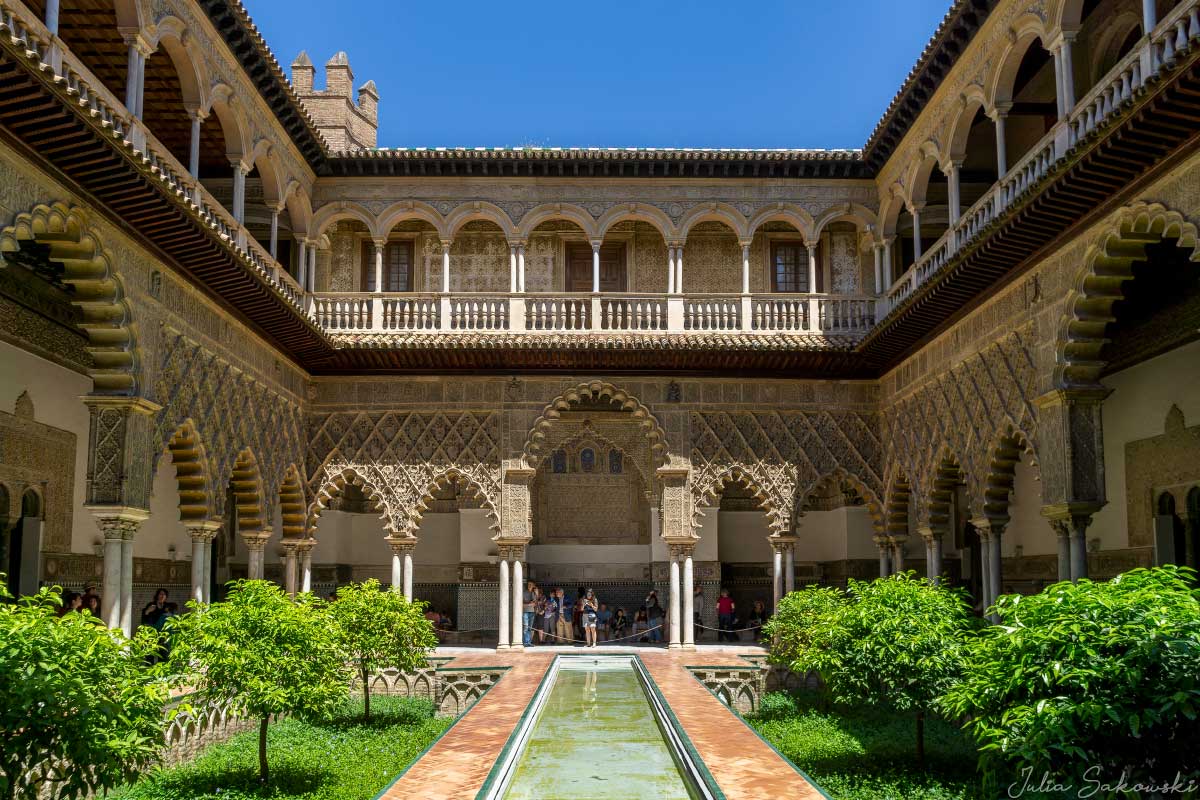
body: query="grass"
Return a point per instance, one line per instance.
(341, 759)
(866, 754)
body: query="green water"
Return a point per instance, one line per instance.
(596, 739)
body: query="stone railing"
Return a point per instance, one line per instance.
(1177, 31)
(69, 72)
(739, 687)
(583, 313)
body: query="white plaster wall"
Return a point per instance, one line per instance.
(477, 544)
(588, 554)
(437, 540)
(55, 391)
(742, 537)
(1027, 527)
(1137, 409)
(163, 529)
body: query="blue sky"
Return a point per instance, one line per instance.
(618, 73)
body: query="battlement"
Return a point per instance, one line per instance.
(346, 122)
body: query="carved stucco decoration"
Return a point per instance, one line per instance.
(401, 458)
(962, 416)
(540, 431)
(782, 454)
(230, 412)
(39, 457)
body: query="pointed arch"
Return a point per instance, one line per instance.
(292, 508)
(98, 293)
(557, 211)
(896, 518)
(247, 485)
(715, 212)
(1108, 264)
(874, 503)
(1010, 447)
(597, 390)
(190, 459)
(440, 481)
(479, 210)
(636, 212)
(945, 477)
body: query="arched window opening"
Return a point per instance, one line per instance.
(615, 462)
(587, 460)
(560, 462)
(1034, 108)
(978, 171)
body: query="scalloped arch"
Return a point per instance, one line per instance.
(873, 503)
(292, 508)
(599, 390)
(190, 459)
(707, 494)
(1108, 264)
(99, 295)
(443, 478)
(333, 484)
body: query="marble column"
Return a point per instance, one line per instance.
(935, 554)
(679, 269)
(1000, 117)
(812, 266)
(884, 547)
(985, 566)
(1079, 562)
(673, 607)
(379, 243)
(521, 267)
(302, 266)
(312, 267)
(446, 266)
(1068, 62)
(397, 568)
(255, 545)
(518, 596)
(504, 641)
(239, 192)
(878, 268)
(512, 268)
(306, 548)
(996, 562)
(194, 147)
(1062, 533)
(745, 268)
(898, 554)
(274, 247)
(202, 536)
(289, 568)
(670, 269)
(595, 267)
(916, 233)
(776, 572)
(789, 568)
(408, 571)
(689, 596)
(110, 600)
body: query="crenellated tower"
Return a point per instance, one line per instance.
(347, 123)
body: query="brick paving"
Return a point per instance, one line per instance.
(743, 766)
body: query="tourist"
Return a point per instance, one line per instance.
(91, 604)
(562, 620)
(757, 618)
(618, 627)
(155, 612)
(549, 609)
(528, 607)
(72, 601)
(654, 617)
(577, 616)
(590, 616)
(725, 618)
(603, 619)
(640, 623)
(698, 610)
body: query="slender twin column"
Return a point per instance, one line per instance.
(897, 543)
(812, 267)
(885, 555)
(202, 535)
(596, 267)
(674, 268)
(119, 526)
(681, 610)
(255, 545)
(305, 548)
(916, 232)
(783, 571)
(516, 267)
(1000, 116)
(289, 567)
(136, 74)
(991, 560)
(446, 266)
(402, 564)
(745, 268)
(274, 248)
(512, 589)
(239, 191)
(379, 243)
(197, 118)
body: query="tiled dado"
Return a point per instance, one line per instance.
(742, 764)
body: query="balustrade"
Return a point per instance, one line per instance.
(558, 313)
(712, 313)
(625, 313)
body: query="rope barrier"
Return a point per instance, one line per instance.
(563, 638)
(729, 630)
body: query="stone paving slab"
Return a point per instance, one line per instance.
(744, 766)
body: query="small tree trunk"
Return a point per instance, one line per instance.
(262, 750)
(366, 697)
(921, 740)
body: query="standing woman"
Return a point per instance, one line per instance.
(590, 615)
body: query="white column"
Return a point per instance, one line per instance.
(194, 147)
(953, 177)
(446, 266)
(884, 556)
(378, 265)
(1068, 74)
(935, 552)
(985, 566)
(408, 573)
(275, 233)
(312, 266)
(1062, 533)
(254, 566)
(397, 570)
(689, 606)
(132, 76)
(887, 264)
(110, 601)
(1001, 115)
(521, 267)
(239, 193)
(1056, 54)
(746, 268)
(789, 568)
(673, 608)
(306, 568)
(141, 84)
(679, 269)
(916, 234)
(812, 267)
(127, 584)
(776, 575)
(518, 608)
(898, 556)
(670, 269)
(505, 611)
(1149, 16)
(595, 267)
(878, 268)
(198, 568)
(52, 16)
(1079, 564)
(302, 266)
(996, 561)
(512, 268)
(289, 569)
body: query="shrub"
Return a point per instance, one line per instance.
(76, 702)
(262, 652)
(776, 705)
(891, 643)
(380, 628)
(1088, 676)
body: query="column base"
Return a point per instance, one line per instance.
(691, 648)
(516, 648)
(502, 647)
(674, 646)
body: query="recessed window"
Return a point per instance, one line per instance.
(615, 464)
(587, 459)
(397, 267)
(789, 266)
(559, 462)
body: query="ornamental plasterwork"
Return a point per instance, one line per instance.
(781, 454)
(401, 457)
(960, 414)
(844, 263)
(40, 457)
(231, 411)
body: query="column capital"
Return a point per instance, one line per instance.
(255, 541)
(306, 545)
(681, 548)
(511, 550)
(596, 244)
(446, 244)
(993, 526)
(517, 242)
(119, 522)
(379, 242)
(1074, 514)
(290, 545)
(999, 111)
(203, 531)
(402, 545)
